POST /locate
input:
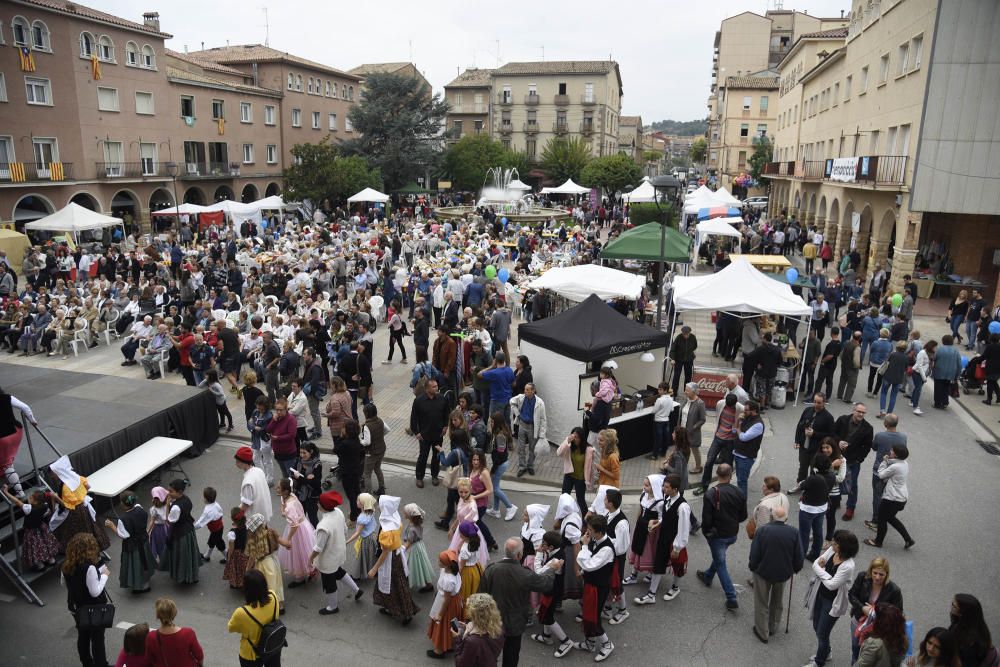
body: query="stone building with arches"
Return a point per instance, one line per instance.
(859, 125)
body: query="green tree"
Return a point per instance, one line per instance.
(652, 156)
(466, 161)
(698, 151)
(517, 160)
(640, 214)
(564, 158)
(399, 125)
(763, 152)
(319, 172)
(611, 173)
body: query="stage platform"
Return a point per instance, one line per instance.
(97, 418)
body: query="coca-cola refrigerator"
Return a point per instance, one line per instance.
(712, 383)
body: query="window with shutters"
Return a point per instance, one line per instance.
(107, 99)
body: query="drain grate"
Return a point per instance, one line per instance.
(990, 447)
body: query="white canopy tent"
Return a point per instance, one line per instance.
(567, 188)
(726, 197)
(718, 227)
(183, 209)
(578, 282)
(72, 220)
(238, 212)
(739, 289)
(517, 184)
(642, 194)
(368, 195)
(272, 203)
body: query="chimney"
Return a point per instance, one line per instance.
(152, 20)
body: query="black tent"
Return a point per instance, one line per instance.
(592, 331)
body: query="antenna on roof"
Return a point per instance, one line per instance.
(543, 53)
(498, 54)
(267, 28)
(411, 50)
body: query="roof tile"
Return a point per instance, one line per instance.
(759, 82)
(472, 78)
(251, 53)
(72, 8)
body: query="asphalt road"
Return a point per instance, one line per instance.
(951, 514)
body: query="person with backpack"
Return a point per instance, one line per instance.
(262, 634)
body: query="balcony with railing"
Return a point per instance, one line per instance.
(588, 100)
(560, 127)
(874, 170)
(810, 170)
(505, 99)
(882, 170)
(779, 169)
(505, 127)
(209, 169)
(587, 127)
(531, 127)
(143, 169)
(531, 99)
(561, 100)
(25, 172)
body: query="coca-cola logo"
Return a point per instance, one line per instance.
(712, 386)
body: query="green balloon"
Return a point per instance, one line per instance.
(897, 300)
(491, 272)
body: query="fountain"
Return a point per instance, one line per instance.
(505, 194)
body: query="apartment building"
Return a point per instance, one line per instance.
(883, 135)
(534, 102)
(469, 98)
(315, 97)
(747, 115)
(749, 45)
(630, 137)
(403, 69)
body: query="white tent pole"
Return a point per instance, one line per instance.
(670, 343)
(802, 366)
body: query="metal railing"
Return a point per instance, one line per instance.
(531, 99)
(505, 99)
(586, 127)
(506, 127)
(811, 170)
(209, 169)
(531, 127)
(561, 100)
(24, 172)
(882, 169)
(144, 169)
(560, 128)
(587, 100)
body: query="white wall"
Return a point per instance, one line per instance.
(632, 372)
(556, 380)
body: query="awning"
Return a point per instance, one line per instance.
(643, 243)
(368, 195)
(579, 282)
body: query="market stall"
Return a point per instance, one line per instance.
(718, 227)
(73, 220)
(566, 353)
(577, 283)
(743, 292)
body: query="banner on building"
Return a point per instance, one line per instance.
(844, 170)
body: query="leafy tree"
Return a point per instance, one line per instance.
(690, 128)
(611, 173)
(564, 158)
(763, 152)
(652, 156)
(698, 151)
(320, 172)
(399, 125)
(640, 214)
(466, 161)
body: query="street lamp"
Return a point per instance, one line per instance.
(172, 172)
(665, 187)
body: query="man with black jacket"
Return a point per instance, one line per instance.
(429, 423)
(815, 424)
(421, 332)
(723, 511)
(775, 556)
(767, 357)
(682, 356)
(749, 435)
(855, 435)
(828, 362)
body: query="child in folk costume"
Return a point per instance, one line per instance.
(569, 523)
(137, 565)
(550, 552)
(39, 547)
(469, 558)
(158, 528)
(75, 514)
(531, 538)
(211, 518)
(418, 564)
(608, 504)
(466, 510)
(643, 548)
(597, 561)
(365, 537)
(299, 539)
(673, 530)
(447, 605)
(330, 552)
(182, 558)
(262, 542)
(236, 557)
(392, 592)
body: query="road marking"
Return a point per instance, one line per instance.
(124, 625)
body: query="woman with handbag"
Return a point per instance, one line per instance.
(86, 578)
(826, 597)
(870, 590)
(880, 351)
(171, 645)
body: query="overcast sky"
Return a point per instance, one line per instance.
(664, 47)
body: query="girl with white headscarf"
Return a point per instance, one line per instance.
(77, 514)
(392, 591)
(643, 549)
(569, 523)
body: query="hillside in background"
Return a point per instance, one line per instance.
(690, 128)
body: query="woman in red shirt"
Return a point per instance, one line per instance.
(171, 645)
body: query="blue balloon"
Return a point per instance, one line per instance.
(965, 361)
(994, 327)
(503, 275)
(792, 274)
(503, 221)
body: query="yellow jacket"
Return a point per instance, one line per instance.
(809, 250)
(249, 631)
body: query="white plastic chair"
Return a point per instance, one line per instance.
(164, 359)
(80, 336)
(110, 330)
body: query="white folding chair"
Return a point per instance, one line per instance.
(80, 336)
(164, 359)
(110, 330)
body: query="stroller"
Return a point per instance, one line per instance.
(973, 376)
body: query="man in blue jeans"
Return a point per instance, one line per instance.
(854, 435)
(724, 509)
(723, 442)
(749, 436)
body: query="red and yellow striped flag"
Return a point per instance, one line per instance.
(222, 125)
(17, 172)
(27, 59)
(56, 172)
(95, 67)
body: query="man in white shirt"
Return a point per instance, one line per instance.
(139, 333)
(255, 496)
(662, 409)
(675, 530)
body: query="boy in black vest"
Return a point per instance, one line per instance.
(597, 560)
(618, 531)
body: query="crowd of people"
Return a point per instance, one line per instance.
(284, 321)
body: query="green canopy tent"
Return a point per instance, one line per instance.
(643, 243)
(412, 189)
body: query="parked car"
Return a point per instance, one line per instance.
(756, 202)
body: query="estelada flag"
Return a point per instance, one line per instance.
(27, 59)
(95, 68)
